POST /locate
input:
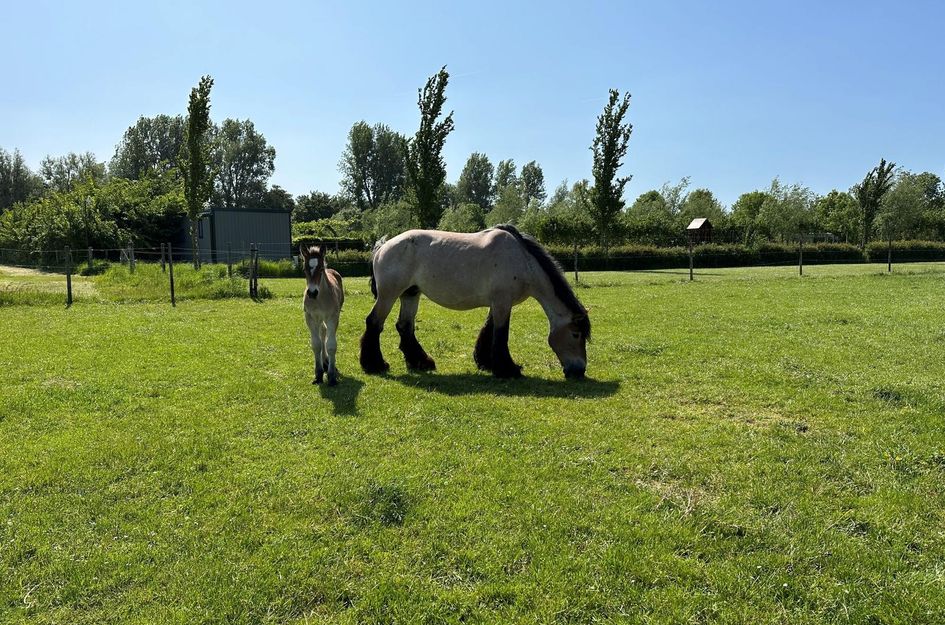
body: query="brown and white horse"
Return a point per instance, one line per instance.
(324, 296)
(496, 268)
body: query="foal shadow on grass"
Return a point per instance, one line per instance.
(459, 384)
(344, 396)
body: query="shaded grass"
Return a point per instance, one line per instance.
(752, 448)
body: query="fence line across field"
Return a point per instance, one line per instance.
(248, 260)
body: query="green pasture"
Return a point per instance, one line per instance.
(752, 447)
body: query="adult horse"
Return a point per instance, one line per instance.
(497, 268)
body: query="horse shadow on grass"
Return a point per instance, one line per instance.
(460, 384)
(344, 396)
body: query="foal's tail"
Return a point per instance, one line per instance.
(377, 246)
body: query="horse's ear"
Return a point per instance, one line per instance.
(321, 250)
(303, 251)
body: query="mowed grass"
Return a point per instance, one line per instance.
(753, 447)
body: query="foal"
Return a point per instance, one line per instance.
(324, 296)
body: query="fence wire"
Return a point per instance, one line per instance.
(84, 261)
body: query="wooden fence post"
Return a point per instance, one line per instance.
(575, 263)
(68, 277)
(252, 268)
(163, 265)
(889, 257)
(800, 255)
(90, 261)
(229, 260)
(170, 267)
(690, 259)
(256, 271)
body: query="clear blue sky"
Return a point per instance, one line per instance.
(729, 93)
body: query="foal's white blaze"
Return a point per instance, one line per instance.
(313, 263)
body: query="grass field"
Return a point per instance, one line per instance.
(753, 447)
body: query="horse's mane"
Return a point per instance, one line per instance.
(552, 269)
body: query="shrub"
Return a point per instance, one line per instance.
(906, 251)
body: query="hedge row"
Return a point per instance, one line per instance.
(333, 243)
(635, 257)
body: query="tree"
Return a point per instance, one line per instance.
(17, 182)
(745, 213)
(391, 219)
(152, 144)
(505, 175)
(839, 213)
(508, 208)
(533, 183)
(195, 159)
(609, 148)
(462, 218)
(787, 211)
(933, 221)
(61, 173)
(475, 185)
(869, 194)
(425, 166)
(903, 207)
(648, 220)
(107, 214)
(675, 195)
(278, 198)
(243, 164)
(569, 220)
(317, 205)
(373, 165)
(702, 203)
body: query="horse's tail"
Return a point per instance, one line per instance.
(377, 246)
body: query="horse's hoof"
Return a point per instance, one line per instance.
(376, 368)
(510, 372)
(427, 364)
(333, 381)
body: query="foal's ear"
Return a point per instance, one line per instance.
(303, 251)
(321, 250)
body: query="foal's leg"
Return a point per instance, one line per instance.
(314, 329)
(372, 361)
(332, 346)
(502, 364)
(414, 355)
(323, 333)
(483, 352)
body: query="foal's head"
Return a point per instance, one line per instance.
(569, 342)
(313, 263)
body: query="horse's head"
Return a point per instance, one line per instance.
(569, 342)
(313, 263)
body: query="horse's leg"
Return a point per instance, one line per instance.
(314, 330)
(323, 333)
(414, 355)
(502, 364)
(372, 361)
(483, 352)
(331, 346)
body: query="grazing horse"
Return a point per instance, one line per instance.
(324, 295)
(497, 268)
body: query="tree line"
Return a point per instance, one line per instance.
(168, 166)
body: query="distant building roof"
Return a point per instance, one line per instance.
(699, 223)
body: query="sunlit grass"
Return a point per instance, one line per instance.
(753, 447)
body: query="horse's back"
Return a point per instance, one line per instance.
(454, 269)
